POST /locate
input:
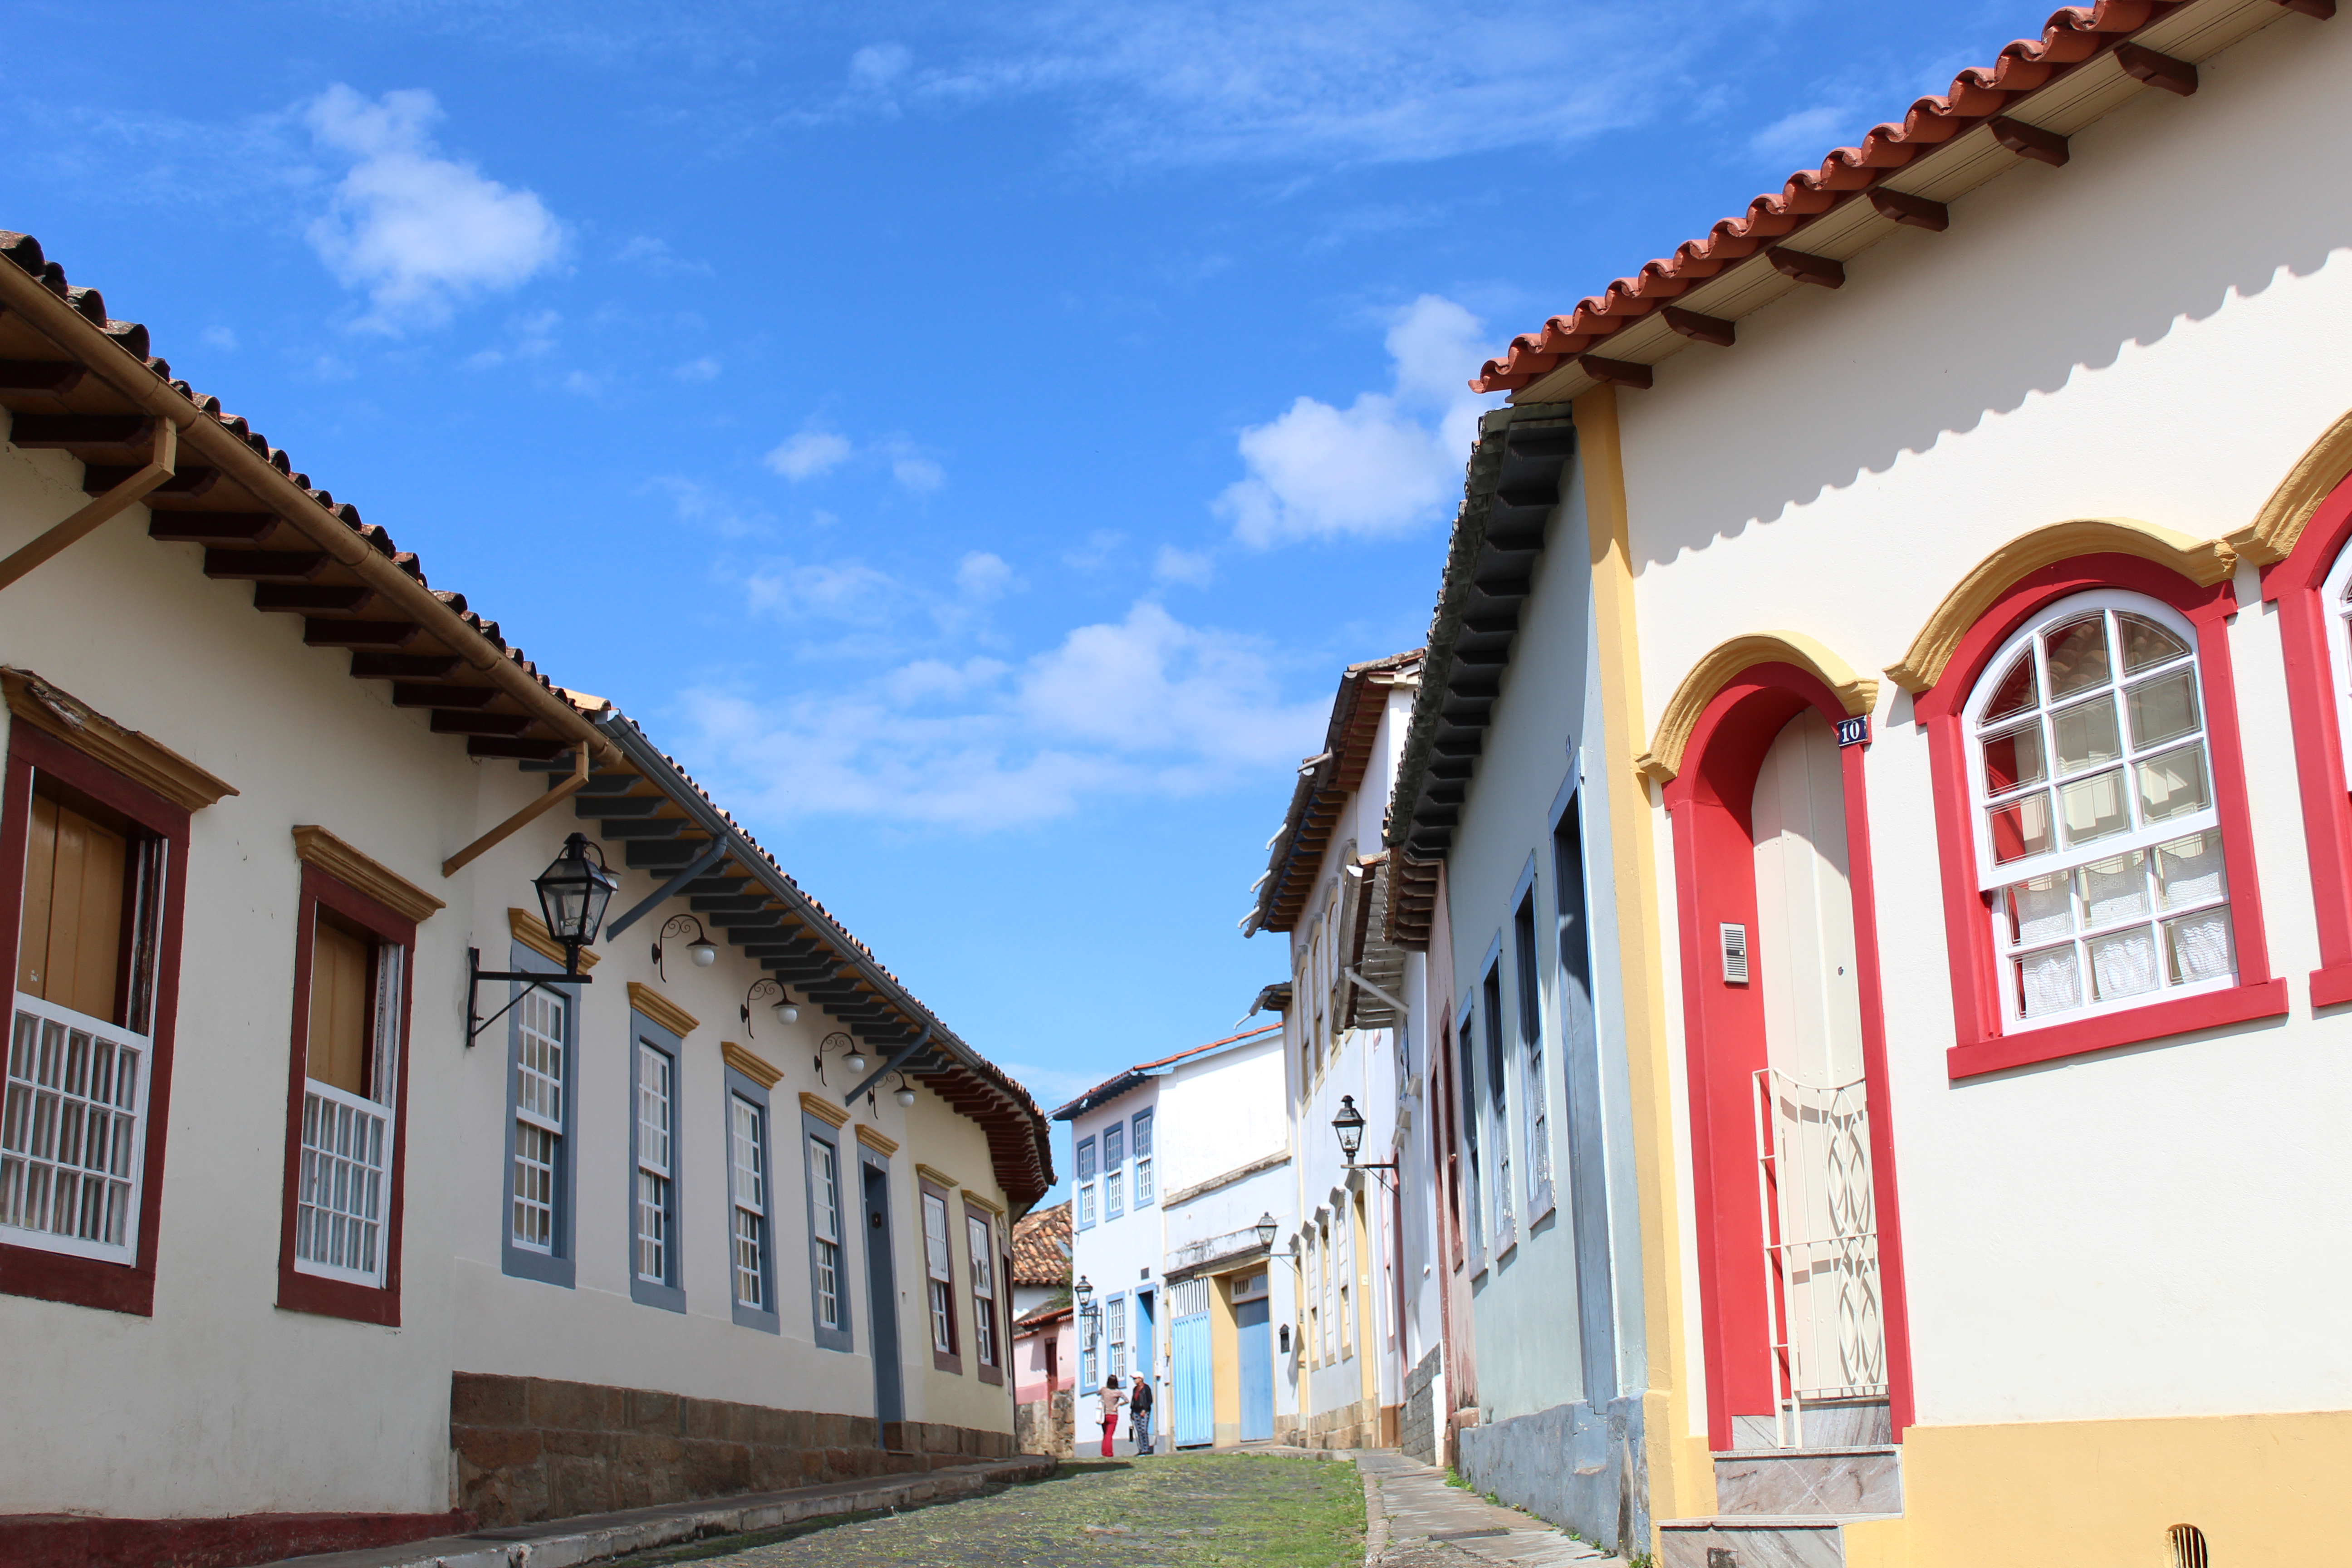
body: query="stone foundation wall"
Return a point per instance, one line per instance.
(525, 1450)
(1417, 1433)
(1046, 1425)
(1356, 1425)
(1580, 1469)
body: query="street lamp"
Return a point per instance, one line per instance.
(1349, 1125)
(784, 1011)
(1266, 1229)
(573, 893)
(702, 950)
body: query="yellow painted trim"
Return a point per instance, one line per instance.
(823, 1109)
(938, 1177)
(2204, 562)
(529, 931)
(2262, 1488)
(1366, 1334)
(2272, 536)
(663, 1011)
(1225, 1364)
(1664, 760)
(136, 757)
(754, 1067)
(985, 1204)
(876, 1141)
(1681, 1470)
(364, 873)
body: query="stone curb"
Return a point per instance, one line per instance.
(1376, 1521)
(598, 1537)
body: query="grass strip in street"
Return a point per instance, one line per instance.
(1185, 1511)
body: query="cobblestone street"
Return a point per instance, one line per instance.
(1184, 1511)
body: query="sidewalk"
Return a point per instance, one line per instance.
(560, 1543)
(1410, 1511)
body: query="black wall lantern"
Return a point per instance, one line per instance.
(1349, 1125)
(1265, 1229)
(573, 893)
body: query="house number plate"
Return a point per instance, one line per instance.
(1854, 732)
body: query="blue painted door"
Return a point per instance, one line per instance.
(1196, 1409)
(1257, 1350)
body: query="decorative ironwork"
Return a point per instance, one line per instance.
(1826, 1337)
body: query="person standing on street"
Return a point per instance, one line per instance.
(1112, 1397)
(1139, 1417)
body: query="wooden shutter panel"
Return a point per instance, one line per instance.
(338, 1043)
(70, 940)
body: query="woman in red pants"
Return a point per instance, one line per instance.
(1112, 1398)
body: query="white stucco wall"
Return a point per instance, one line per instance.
(221, 1403)
(2156, 331)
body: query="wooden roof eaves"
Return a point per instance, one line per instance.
(203, 438)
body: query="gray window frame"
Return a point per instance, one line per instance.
(845, 1170)
(669, 1295)
(767, 1320)
(560, 1264)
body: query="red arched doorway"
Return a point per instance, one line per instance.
(1800, 1258)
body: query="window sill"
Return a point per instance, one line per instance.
(753, 1318)
(2257, 999)
(48, 1276)
(2331, 985)
(646, 1293)
(324, 1298)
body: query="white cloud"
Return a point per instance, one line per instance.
(702, 506)
(1144, 705)
(845, 591)
(1386, 464)
(810, 453)
(1195, 568)
(879, 65)
(982, 576)
(419, 232)
(918, 474)
(1804, 137)
(220, 338)
(703, 369)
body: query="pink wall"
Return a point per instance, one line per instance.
(1030, 1361)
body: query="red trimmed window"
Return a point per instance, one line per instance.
(981, 1245)
(938, 1270)
(2312, 590)
(2099, 881)
(339, 1245)
(92, 866)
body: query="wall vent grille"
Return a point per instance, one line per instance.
(1735, 954)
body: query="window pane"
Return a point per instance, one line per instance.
(2124, 965)
(2013, 759)
(2197, 946)
(2188, 870)
(2049, 981)
(2077, 655)
(2173, 783)
(2163, 708)
(2093, 807)
(2020, 828)
(2041, 908)
(2086, 735)
(2016, 692)
(2145, 644)
(2114, 889)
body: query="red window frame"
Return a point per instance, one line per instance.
(999, 1320)
(1983, 1044)
(2295, 586)
(950, 1359)
(299, 1291)
(32, 1270)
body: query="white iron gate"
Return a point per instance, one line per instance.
(1821, 1246)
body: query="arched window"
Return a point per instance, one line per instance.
(2098, 837)
(2335, 594)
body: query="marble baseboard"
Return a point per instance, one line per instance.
(1801, 1481)
(1730, 1543)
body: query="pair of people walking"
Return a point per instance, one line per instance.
(1139, 1406)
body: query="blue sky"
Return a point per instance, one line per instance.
(983, 433)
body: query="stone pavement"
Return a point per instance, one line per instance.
(1416, 1520)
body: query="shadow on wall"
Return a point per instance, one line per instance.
(2045, 273)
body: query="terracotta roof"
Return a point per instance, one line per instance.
(1325, 782)
(1038, 1317)
(1112, 1087)
(2038, 91)
(77, 381)
(1041, 1246)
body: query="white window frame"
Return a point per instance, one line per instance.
(981, 1243)
(348, 1145)
(2335, 595)
(1115, 1334)
(656, 1145)
(1083, 1154)
(747, 1194)
(1114, 1169)
(40, 1109)
(939, 1272)
(824, 1161)
(540, 1087)
(2141, 837)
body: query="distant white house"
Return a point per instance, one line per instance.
(1179, 1188)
